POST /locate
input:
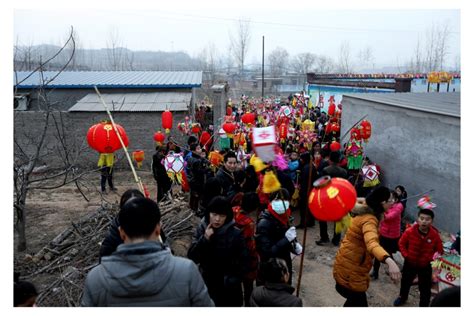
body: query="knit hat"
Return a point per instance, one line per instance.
(425, 203)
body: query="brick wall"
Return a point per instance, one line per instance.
(139, 127)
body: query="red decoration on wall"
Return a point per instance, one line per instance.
(102, 137)
(331, 198)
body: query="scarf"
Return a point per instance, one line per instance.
(282, 218)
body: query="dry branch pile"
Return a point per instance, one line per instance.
(68, 258)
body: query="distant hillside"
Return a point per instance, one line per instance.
(28, 58)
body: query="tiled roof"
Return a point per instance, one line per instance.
(111, 79)
(446, 103)
(134, 102)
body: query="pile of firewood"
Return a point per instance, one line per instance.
(67, 259)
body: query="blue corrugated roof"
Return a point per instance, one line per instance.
(111, 79)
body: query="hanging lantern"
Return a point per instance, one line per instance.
(331, 198)
(355, 133)
(167, 121)
(248, 119)
(229, 128)
(205, 137)
(173, 163)
(335, 127)
(335, 146)
(196, 128)
(331, 109)
(366, 129)
(328, 128)
(264, 141)
(159, 138)
(138, 156)
(102, 137)
(215, 158)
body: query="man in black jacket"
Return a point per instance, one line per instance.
(163, 182)
(226, 176)
(196, 166)
(305, 163)
(334, 171)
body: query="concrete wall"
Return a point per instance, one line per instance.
(140, 127)
(219, 101)
(418, 150)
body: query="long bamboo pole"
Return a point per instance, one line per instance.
(300, 274)
(137, 179)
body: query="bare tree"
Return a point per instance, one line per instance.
(31, 148)
(345, 63)
(278, 61)
(114, 50)
(240, 42)
(324, 64)
(366, 58)
(303, 62)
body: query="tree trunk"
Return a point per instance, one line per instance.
(20, 228)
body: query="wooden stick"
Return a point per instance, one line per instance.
(137, 179)
(311, 163)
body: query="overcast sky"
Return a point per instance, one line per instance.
(390, 33)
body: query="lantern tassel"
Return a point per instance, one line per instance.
(270, 182)
(106, 160)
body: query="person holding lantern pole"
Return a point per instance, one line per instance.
(334, 171)
(163, 182)
(306, 164)
(359, 247)
(106, 174)
(196, 174)
(275, 238)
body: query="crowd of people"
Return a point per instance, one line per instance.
(241, 252)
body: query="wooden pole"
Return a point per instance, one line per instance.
(263, 65)
(137, 179)
(300, 274)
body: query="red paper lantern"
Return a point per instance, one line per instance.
(159, 137)
(328, 128)
(355, 133)
(138, 156)
(331, 109)
(335, 146)
(167, 121)
(248, 118)
(335, 127)
(205, 136)
(229, 127)
(331, 198)
(196, 128)
(366, 129)
(102, 137)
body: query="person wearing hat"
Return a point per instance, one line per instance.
(417, 245)
(218, 246)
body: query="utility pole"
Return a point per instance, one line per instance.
(263, 64)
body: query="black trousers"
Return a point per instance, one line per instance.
(323, 232)
(390, 245)
(310, 221)
(353, 299)
(409, 273)
(106, 176)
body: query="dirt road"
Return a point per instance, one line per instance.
(50, 212)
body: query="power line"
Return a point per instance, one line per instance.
(293, 25)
